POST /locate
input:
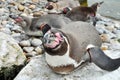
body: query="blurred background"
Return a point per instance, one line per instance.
(110, 8)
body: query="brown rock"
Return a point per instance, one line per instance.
(38, 14)
(104, 48)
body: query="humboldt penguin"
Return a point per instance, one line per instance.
(31, 25)
(83, 13)
(73, 46)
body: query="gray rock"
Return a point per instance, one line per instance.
(37, 69)
(28, 49)
(9, 25)
(11, 56)
(19, 36)
(36, 42)
(117, 33)
(5, 30)
(25, 43)
(16, 29)
(4, 14)
(16, 36)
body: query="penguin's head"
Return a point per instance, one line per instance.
(55, 41)
(96, 5)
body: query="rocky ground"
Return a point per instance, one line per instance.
(16, 48)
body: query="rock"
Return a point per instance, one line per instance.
(105, 38)
(10, 25)
(21, 7)
(105, 47)
(110, 28)
(31, 54)
(32, 6)
(37, 69)
(4, 14)
(38, 14)
(117, 25)
(101, 28)
(35, 1)
(5, 30)
(25, 43)
(38, 50)
(28, 49)
(65, 3)
(11, 57)
(115, 45)
(16, 36)
(36, 42)
(117, 33)
(4, 22)
(17, 29)
(27, 11)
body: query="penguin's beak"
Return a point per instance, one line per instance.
(99, 4)
(98, 57)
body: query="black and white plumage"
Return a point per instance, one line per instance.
(74, 45)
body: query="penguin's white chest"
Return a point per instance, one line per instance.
(63, 60)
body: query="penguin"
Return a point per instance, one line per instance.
(83, 13)
(73, 46)
(31, 25)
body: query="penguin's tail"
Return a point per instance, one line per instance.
(98, 57)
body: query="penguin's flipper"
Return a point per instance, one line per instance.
(98, 57)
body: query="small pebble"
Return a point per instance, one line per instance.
(5, 30)
(31, 54)
(37, 14)
(38, 50)
(104, 47)
(105, 38)
(28, 49)
(21, 7)
(25, 43)
(36, 42)
(32, 6)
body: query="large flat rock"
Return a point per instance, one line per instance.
(37, 69)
